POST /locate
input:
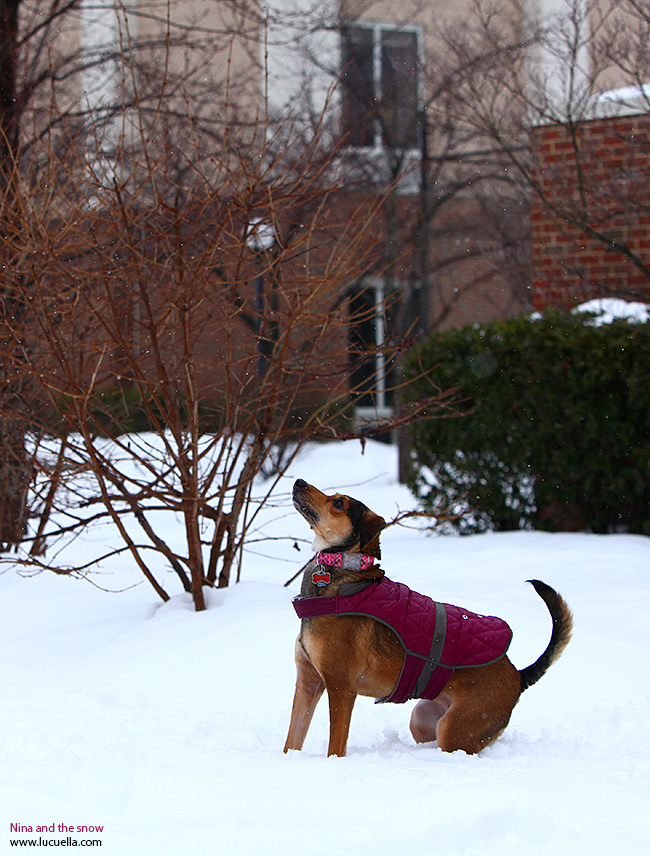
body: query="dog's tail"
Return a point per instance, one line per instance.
(560, 634)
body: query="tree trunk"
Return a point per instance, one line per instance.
(8, 94)
(15, 466)
(15, 473)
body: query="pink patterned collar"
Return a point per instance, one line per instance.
(345, 561)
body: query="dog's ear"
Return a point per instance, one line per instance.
(369, 529)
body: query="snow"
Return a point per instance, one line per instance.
(608, 309)
(166, 727)
(624, 93)
(624, 101)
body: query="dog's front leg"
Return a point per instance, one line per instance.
(341, 702)
(309, 689)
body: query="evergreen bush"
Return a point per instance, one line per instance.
(556, 434)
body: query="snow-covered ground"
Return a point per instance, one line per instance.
(166, 727)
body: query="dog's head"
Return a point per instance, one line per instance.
(339, 523)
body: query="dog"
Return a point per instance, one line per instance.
(348, 647)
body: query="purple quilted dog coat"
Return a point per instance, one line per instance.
(437, 637)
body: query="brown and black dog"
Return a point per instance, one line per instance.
(350, 655)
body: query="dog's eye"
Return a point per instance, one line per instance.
(338, 502)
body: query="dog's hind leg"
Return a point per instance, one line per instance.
(482, 700)
(469, 730)
(309, 689)
(425, 717)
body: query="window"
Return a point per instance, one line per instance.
(374, 310)
(380, 86)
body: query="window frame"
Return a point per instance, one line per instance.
(377, 28)
(372, 367)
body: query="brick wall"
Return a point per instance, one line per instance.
(590, 220)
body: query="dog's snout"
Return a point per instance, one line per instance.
(302, 500)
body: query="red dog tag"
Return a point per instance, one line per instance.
(321, 578)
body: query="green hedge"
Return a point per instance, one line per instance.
(557, 431)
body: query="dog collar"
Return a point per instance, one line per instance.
(345, 561)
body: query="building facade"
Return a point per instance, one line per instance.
(416, 111)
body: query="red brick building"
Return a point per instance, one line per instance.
(590, 217)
